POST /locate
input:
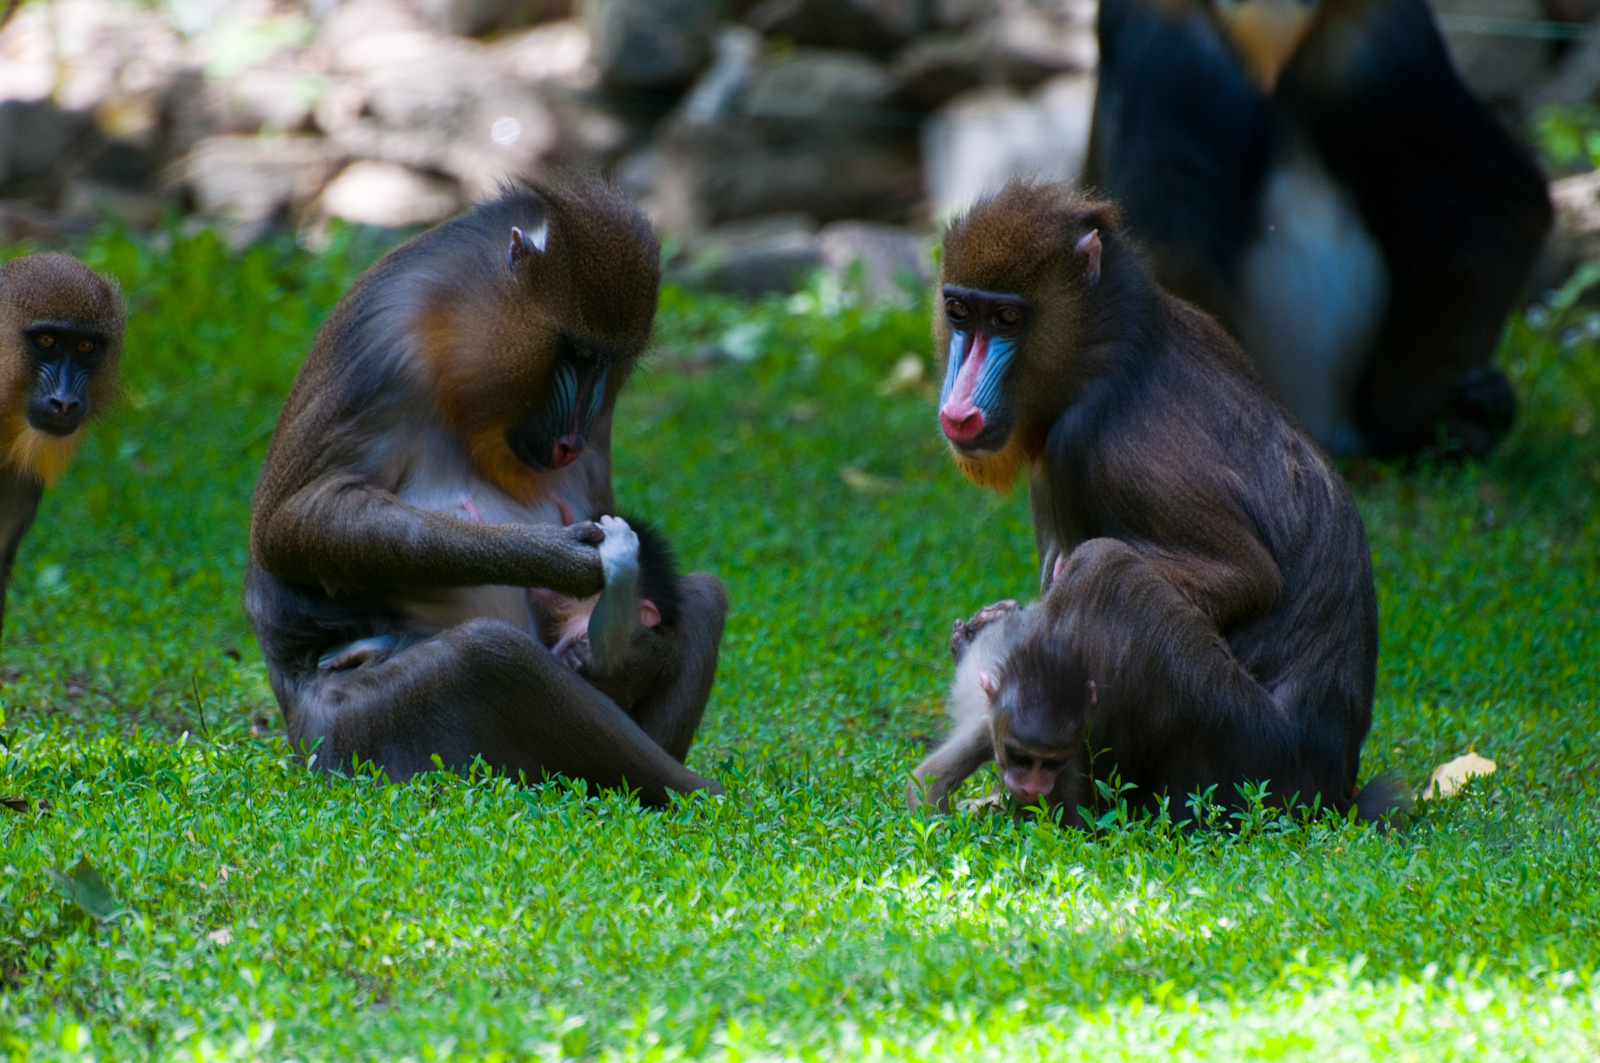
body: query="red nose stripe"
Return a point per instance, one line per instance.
(960, 419)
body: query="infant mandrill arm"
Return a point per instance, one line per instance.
(616, 615)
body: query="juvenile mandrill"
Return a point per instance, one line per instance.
(1021, 698)
(1202, 561)
(424, 520)
(60, 341)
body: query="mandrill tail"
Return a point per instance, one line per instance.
(1385, 798)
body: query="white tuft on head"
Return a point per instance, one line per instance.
(540, 236)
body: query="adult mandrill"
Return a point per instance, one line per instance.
(442, 455)
(1203, 563)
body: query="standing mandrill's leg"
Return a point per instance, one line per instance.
(1173, 701)
(485, 687)
(670, 715)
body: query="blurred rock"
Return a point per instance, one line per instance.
(772, 254)
(810, 132)
(270, 98)
(559, 52)
(24, 221)
(814, 85)
(1575, 237)
(958, 14)
(717, 95)
(82, 53)
(434, 103)
(388, 112)
(249, 183)
(474, 18)
(1576, 80)
(1032, 40)
(717, 173)
(936, 69)
(652, 46)
(875, 26)
(779, 252)
(35, 139)
(990, 135)
(891, 258)
(95, 202)
(1503, 69)
(387, 194)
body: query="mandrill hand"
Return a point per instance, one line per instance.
(963, 632)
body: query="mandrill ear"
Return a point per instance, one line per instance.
(1090, 248)
(990, 685)
(525, 244)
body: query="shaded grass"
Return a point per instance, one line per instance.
(272, 913)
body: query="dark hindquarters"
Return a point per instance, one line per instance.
(1177, 713)
(485, 688)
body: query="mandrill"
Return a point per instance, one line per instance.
(424, 534)
(1203, 564)
(60, 341)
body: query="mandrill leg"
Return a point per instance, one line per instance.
(1175, 708)
(484, 687)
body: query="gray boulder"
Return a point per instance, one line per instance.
(657, 46)
(809, 133)
(890, 258)
(35, 139)
(988, 136)
(874, 26)
(249, 183)
(467, 119)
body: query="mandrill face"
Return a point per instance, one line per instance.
(985, 330)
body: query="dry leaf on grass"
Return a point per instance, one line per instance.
(863, 481)
(908, 373)
(1452, 775)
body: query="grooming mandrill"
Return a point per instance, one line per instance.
(1202, 561)
(424, 517)
(1020, 698)
(60, 341)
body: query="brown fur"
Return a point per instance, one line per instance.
(51, 287)
(36, 290)
(1216, 582)
(396, 534)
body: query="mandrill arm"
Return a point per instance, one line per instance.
(342, 534)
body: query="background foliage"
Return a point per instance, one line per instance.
(234, 905)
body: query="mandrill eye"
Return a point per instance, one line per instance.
(956, 311)
(1007, 317)
(86, 346)
(46, 340)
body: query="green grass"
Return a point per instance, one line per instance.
(255, 910)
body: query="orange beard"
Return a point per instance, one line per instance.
(1267, 32)
(468, 403)
(34, 453)
(492, 457)
(997, 471)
